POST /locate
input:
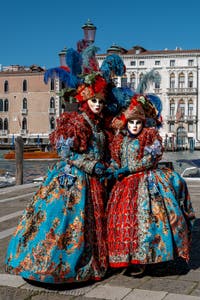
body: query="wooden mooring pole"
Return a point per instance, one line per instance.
(19, 158)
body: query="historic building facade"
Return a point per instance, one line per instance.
(28, 107)
(178, 90)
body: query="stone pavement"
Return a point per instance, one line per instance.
(166, 281)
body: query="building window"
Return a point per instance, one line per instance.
(6, 87)
(24, 85)
(172, 81)
(180, 109)
(190, 62)
(181, 80)
(141, 76)
(190, 108)
(190, 127)
(172, 108)
(52, 102)
(124, 81)
(190, 80)
(24, 103)
(1, 105)
(132, 81)
(24, 124)
(133, 63)
(5, 124)
(172, 63)
(52, 84)
(6, 105)
(1, 124)
(52, 123)
(171, 127)
(157, 63)
(141, 63)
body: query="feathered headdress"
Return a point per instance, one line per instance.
(112, 66)
(82, 75)
(150, 104)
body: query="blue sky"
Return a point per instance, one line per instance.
(34, 32)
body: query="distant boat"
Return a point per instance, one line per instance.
(33, 153)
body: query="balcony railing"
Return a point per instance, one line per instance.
(24, 131)
(52, 110)
(3, 132)
(184, 119)
(24, 111)
(182, 91)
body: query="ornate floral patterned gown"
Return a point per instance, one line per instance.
(149, 213)
(60, 236)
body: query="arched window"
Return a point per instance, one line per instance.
(190, 107)
(52, 102)
(157, 83)
(141, 76)
(5, 124)
(133, 80)
(24, 103)
(6, 105)
(181, 80)
(172, 107)
(190, 80)
(1, 105)
(124, 81)
(24, 85)
(6, 87)
(52, 123)
(172, 81)
(1, 124)
(24, 124)
(52, 84)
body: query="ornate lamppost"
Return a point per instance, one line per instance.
(89, 31)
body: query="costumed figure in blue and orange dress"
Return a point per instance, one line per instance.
(61, 234)
(149, 212)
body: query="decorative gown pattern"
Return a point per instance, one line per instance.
(60, 236)
(149, 213)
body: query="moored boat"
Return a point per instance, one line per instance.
(33, 154)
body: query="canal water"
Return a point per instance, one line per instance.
(37, 168)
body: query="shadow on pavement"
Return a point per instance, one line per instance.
(194, 262)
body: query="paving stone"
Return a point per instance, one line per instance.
(108, 292)
(78, 291)
(11, 280)
(167, 285)
(196, 291)
(128, 282)
(10, 293)
(180, 297)
(51, 297)
(145, 295)
(191, 276)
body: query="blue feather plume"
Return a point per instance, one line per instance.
(147, 79)
(123, 96)
(68, 78)
(112, 65)
(74, 61)
(89, 61)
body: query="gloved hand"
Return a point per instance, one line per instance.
(123, 171)
(99, 169)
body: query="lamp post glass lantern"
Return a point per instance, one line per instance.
(62, 56)
(89, 31)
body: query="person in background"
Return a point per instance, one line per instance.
(149, 212)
